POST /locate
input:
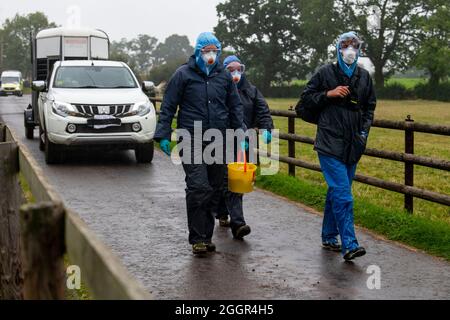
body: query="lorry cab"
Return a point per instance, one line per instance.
(60, 44)
(11, 83)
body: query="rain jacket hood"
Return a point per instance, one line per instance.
(348, 70)
(203, 40)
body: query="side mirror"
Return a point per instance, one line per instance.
(148, 86)
(39, 86)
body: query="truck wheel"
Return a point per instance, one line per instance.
(41, 142)
(144, 152)
(29, 133)
(53, 152)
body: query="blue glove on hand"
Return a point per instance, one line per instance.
(364, 134)
(267, 136)
(165, 146)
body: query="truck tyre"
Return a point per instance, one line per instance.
(53, 152)
(41, 142)
(29, 133)
(144, 152)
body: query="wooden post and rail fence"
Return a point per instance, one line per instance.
(408, 157)
(34, 238)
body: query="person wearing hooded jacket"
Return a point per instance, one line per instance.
(256, 115)
(343, 95)
(203, 92)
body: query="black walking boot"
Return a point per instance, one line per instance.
(211, 247)
(241, 232)
(224, 222)
(332, 246)
(356, 253)
(199, 248)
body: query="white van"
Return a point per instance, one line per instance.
(11, 83)
(91, 103)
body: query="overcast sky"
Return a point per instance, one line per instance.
(124, 18)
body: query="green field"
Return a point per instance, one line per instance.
(408, 83)
(392, 140)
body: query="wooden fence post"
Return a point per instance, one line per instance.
(409, 167)
(42, 227)
(11, 278)
(291, 144)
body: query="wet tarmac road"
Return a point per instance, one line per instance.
(139, 211)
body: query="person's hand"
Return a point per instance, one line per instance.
(339, 92)
(165, 146)
(267, 137)
(364, 134)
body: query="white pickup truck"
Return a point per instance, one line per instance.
(94, 102)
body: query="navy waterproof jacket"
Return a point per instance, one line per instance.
(213, 100)
(256, 110)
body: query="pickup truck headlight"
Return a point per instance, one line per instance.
(140, 109)
(64, 109)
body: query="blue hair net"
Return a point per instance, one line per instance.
(231, 59)
(203, 40)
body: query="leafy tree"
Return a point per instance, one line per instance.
(120, 51)
(434, 52)
(15, 40)
(142, 49)
(320, 24)
(392, 44)
(174, 48)
(266, 34)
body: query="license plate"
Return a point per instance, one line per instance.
(103, 121)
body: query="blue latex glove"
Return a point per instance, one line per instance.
(364, 134)
(267, 136)
(165, 146)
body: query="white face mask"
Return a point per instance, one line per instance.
(209, 58)
(349, 55)
(237, 76)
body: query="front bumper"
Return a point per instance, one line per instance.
(10, 91)
(85, 136)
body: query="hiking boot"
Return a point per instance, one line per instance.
(200, 248)
(332, 246)
(241, 232)
(356, 253)
(211, 247)
(224, 222)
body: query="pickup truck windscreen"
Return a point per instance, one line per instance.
(94, 77)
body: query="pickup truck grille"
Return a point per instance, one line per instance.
(113, 110)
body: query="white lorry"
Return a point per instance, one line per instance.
(89, 102)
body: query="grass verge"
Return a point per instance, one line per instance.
(431, 236)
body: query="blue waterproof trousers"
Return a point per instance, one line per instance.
(338, 217)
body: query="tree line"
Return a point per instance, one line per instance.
(281, 40)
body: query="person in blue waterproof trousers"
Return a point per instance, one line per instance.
(344, 96)
(256, 115)
(203, 92)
